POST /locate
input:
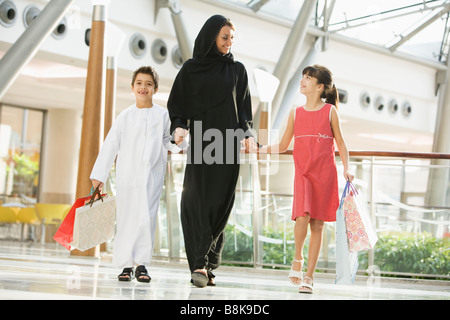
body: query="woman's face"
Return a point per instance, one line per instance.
(225, 40)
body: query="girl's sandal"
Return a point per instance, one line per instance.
(306, 286)
(142, 274)
(296, 274)
(126, 275)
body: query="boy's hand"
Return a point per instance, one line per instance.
(96, 183)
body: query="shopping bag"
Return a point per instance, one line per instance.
(361, 233)
(64, 234)
(94, 224)
(346, 261)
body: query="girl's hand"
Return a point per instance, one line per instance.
(348, 176)
(250, 145)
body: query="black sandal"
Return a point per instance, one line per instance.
(211, 281)
(127, 272)
(141, 271)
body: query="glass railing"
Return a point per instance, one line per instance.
(406, 194)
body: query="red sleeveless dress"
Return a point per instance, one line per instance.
(316, 183)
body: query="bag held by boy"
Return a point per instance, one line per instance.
(88, 223)
(361, 233)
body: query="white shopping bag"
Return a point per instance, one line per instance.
(94, 224)
(346, 261)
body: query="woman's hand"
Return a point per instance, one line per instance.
(250, 145)
(180, 134)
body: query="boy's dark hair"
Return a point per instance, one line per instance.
(146, 70)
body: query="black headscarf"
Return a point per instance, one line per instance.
(204, 43)
(204, 81)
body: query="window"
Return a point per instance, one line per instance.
(20, 152)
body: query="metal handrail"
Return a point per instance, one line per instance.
(371, 157)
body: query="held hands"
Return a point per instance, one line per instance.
(250, 145)
(179, 135)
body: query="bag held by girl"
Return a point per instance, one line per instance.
(361, 233)
(346, 261)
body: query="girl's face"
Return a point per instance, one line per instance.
(225, 40)
(309, 85)
(144, 87)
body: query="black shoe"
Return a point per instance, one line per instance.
(126, 275)
(142, 272)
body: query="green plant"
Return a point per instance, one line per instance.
(238, 246)
(421, 254)
(24, 167)
(278, 253)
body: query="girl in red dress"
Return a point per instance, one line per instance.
(315, 126)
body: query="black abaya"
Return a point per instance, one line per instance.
(210, 92)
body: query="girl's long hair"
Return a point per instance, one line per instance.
(325, 77)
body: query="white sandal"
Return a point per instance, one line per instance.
(296, 274)
(306, 287)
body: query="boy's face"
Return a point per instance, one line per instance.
(144, 87)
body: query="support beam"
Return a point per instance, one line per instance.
(28, 44)
(438, 193)
(184, 42)
(92, 127)
(412, 33)
(293, 86)
(286, 63)
(110, 94)
(256, 5)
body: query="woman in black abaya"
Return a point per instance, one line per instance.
(210, 92)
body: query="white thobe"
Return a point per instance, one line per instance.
(140, 139)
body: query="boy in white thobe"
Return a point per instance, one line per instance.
(140, 138)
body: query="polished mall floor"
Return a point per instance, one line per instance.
(30, 271)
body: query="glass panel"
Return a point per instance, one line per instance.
(413, 236)
(20, 149)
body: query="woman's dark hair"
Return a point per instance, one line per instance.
(325, 77)
(146, 70)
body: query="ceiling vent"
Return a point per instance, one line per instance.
(159, 51)
(406, 109)
(365, 100)
(8, 13)
(30, 14)
(177, 59)
(60, 30)
(393, 106)
(379, 103)
(138, 46)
